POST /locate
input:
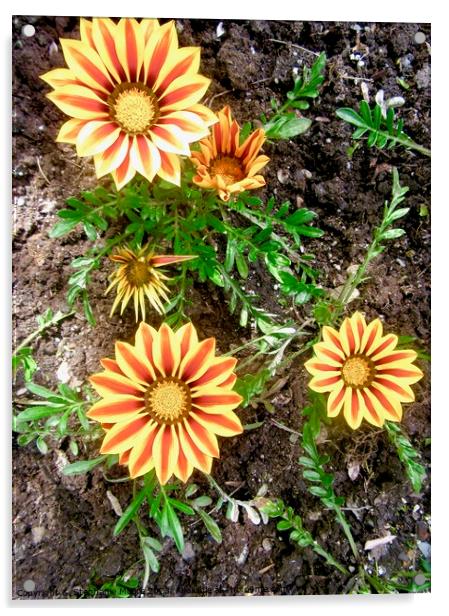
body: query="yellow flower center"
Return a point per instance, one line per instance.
(138, 273)
(357, 371)
(228, 168)
(168, 400)
(134, 107)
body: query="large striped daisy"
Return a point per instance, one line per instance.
(226, 166)
(366, 375)
(164, 400)
(133, 95)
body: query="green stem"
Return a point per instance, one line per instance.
(407, 143)
(252, 217)
(41, 329)
(347, 530)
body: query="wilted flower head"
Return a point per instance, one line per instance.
(225, 165)
(365, 374)
(133, 97)
(138, 277)
(164, 400)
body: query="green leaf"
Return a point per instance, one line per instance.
(38, 412)
(82, 466)
(42, 445)
(202, 501)
(318, 491)
(62, 228)
(182, 506)
(392, 234)
(130, 511)
(311, 475)
(150, 559)
(211, 525)
(88, 309)
(242, 265)
(396, 214)
(175, 527)
(352, 117)
(39, 390)
(283, 525)
(153, 543)
(287, 127)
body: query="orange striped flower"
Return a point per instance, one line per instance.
(164, 400)
(223, 164)
(365, 374)
(138, 277)
(133, 95)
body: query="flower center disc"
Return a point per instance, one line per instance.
(134, 107)
(357, 371)
(229, 169)
(138, 273)
(168, 400)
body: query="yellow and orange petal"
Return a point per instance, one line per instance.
(227, 167)
(164, 401)
(138, 278)
(366, 375)
(133, 96)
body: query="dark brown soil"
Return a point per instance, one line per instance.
(63, 525)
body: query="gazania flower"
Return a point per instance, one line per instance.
(164, 400)
(226, 166)
(133, 95)
(365, 374)
(138, 277)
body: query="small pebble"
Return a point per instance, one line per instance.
(283, 175)
(29, 585)
(424, 547)
(21, 201)
(420, 38)
(241, 558)
(419, 579)
(28, 30)
(266, 544)
(188, 553)
(63, 374)
(422, 531)
(37, 533)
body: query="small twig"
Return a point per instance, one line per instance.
(344, 76)
(41, 170)
(284, 427)
(212, 98)
(294, 45)
(259, 81)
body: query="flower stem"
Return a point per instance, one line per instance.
(40, 330)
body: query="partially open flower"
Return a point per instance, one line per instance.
(138, 277)
(223, 164)
(365, 374)
(164, 400)
(133, 95)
